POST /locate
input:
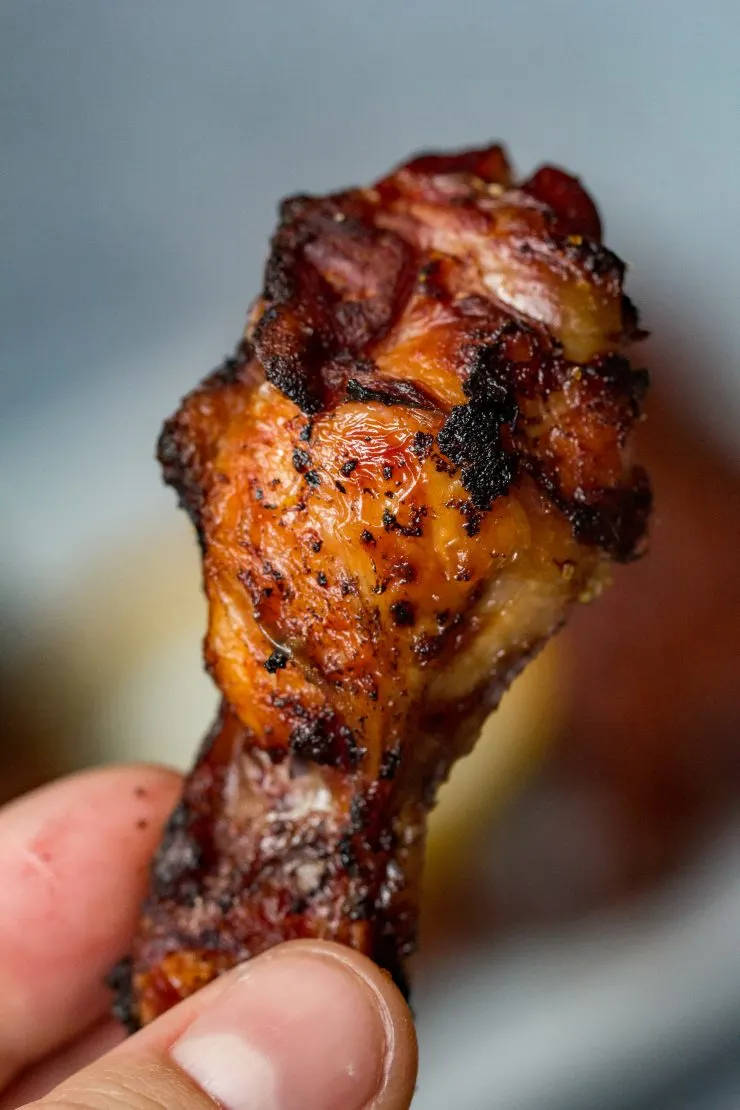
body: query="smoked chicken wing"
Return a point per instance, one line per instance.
(415, 464)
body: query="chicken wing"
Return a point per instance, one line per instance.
(415, 464)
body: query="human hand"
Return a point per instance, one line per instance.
(307, 1026)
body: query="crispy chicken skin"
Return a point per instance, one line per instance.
(415, 464)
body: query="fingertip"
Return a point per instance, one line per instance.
(308, 1024)
(402, 1053)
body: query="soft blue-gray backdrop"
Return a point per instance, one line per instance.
(143, 145)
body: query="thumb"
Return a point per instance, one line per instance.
(306, 1026)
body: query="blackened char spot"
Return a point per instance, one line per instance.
(389, 391)
(403, 613)
(616, 520)
(276, 661)
(391, 522)
(285, 374)
(389, 763)
(178, 857)
(355, 752)
(322, 738)
(361, 910)
(301, 460)
(293, 207)
(291, 354)
(422, 444)
(310, 739)
(471, 436)
(470, 512)
(177, 456)
(279, 282)
(388, 957)
(120, 981)
(358, 812)
(346, 853)
(211, 939)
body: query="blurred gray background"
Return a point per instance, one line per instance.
(143, 147)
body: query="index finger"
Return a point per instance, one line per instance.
(74, 860)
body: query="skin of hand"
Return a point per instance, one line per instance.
(308, 1025)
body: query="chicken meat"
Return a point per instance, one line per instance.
(416, 463)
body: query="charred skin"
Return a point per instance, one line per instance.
(415, 464)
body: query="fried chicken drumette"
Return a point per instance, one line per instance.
(415, 464)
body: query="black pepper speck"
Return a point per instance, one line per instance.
(276, 661)
(301, 460)
(403, 613)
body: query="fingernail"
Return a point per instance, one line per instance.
(298, 1031)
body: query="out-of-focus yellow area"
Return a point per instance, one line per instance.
(511, 743)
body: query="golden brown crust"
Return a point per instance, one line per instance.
(414, 465)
